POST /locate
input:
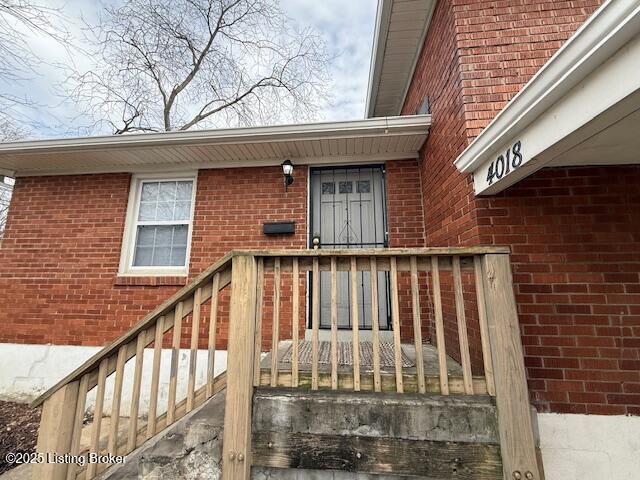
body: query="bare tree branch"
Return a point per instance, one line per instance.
(5, 199)
(19, 19)
(177, 64)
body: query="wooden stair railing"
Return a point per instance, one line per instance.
(65, 403)
(450, 306)
(464, 296)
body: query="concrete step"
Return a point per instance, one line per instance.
(21, 472)
(409, 435)
(332, 436)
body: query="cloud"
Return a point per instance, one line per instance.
(46, 110)
(347, 27)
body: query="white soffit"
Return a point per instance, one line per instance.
(401, 26)
(369, 140)
(581, 108)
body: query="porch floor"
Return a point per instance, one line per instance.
(429, 354)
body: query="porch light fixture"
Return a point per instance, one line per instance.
(287, 170)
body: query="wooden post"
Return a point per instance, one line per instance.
(334, 324)
(115, 402)
(213, 320)
(484, 329)
(417, 324)
(315, 321)
(175, 360)
(512, 399)
(355, 321)
(463, 337)
(275, 324)
(375, 338)
(56, 429)
(236, 449)
(193, 358)
(135, 394)
(155, 380)
(295, 321)
(395, 319)
(437, 305)
(257, 354)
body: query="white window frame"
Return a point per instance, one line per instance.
(131, 223)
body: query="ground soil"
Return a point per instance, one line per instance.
(18, 430)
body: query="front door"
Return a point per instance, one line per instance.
(349, 211)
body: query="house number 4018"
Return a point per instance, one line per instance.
(502, 165)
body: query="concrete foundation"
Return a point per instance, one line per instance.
(29, 370)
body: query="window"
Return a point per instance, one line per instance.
(158, 232)
(345, 187)
(364, 186)
(328, 188)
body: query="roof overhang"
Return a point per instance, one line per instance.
(581, 108)
(359, 141)
(401, 26)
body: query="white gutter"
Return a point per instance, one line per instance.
(613, 25)
(417, 124)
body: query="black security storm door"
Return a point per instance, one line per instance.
(348, 210)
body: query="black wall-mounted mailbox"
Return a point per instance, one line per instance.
(279, 228)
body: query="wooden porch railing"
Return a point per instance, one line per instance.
(63, 413)
(453, 330)
(407, 331)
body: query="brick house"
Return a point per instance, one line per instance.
(496, 123)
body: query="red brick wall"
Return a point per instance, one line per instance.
(231, 206)
(448, 200)
(502, 44)
(60, 256)
(404, 204)
(406, 229)
(61, 251)
(59, 259)
(476, 56)
(575, 238)
(447, 195)
(574, 232)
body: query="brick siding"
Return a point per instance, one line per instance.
(574, 232)
(575, 238)
(502, 44)
(447, 195)
(61, 252)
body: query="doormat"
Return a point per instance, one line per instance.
(345, 354)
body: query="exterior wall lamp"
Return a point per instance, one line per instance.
(287, 170)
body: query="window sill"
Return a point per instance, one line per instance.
(150, 281)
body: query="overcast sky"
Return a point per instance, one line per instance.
(347, 26)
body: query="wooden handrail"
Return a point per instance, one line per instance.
(224, 262)
(416, 275)
(147, 321)
(378, 252)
